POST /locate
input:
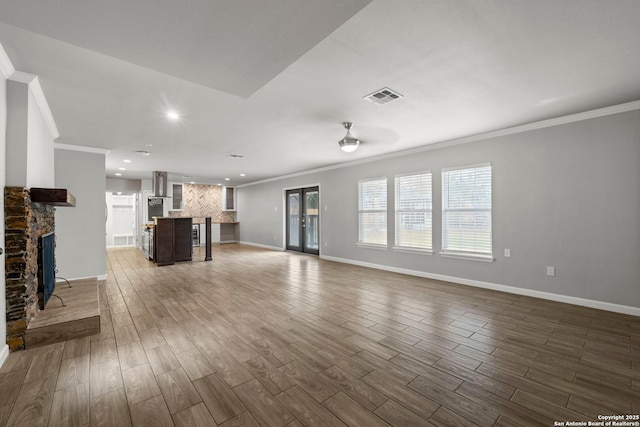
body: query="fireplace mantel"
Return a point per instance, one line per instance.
(53, 196)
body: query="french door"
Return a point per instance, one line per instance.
(303, 220)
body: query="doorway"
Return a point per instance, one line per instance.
(303, 220)
(121, 219)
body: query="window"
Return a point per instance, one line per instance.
(372, 211)
(413, 211)
(466, 212)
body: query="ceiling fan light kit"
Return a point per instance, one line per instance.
(349, 144)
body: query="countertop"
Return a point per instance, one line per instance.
(151, 225)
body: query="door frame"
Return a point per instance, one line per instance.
(285, 215)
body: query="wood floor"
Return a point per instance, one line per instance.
(259, 337)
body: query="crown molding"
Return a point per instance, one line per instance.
(557, 121)
(6, 67)
(586, 115)
(60, 146)
(33, 82)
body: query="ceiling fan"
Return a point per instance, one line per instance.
(349, 143)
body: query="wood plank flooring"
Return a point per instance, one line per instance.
(265, 338)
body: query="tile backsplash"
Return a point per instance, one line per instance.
(202, 200)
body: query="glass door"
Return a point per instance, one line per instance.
(303, 220)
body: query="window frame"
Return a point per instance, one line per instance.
(382, 210)
(428, 250)
(459, 253)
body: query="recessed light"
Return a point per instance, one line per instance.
(119, 193)
(127, 161)
(173, 115)
(122, 169)
(148, 145)
(118, 174)
(227, 179)
(242, 174)
(192, 182)
(219, 185)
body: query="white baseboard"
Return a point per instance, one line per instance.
(71, 279)
(258, 245)
(4, 353)
(600, 305)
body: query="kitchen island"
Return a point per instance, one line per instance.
(172, 241)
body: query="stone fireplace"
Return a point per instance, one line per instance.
(28, 216)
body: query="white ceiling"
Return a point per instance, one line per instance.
(275, 82)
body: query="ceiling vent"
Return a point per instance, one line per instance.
(383, 96)
(235, 156)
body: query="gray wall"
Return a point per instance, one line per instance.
(126, 186)
(80, 231)
(29, 140)
(566, 196)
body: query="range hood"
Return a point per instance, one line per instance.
(159, 184)
(52, 196)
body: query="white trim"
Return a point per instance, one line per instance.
(425, 172)
(411, 250)
(301, 187)
(258, 245)
(378, 246)
(6, 67)
(586, 115)
(600, 305)
(73, 279)
(475, 166)
(377, 178)
(22, 77)
(4, 352)
(36, 89)
(82, 148)
(467, 255)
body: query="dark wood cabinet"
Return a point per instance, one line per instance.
(172, 240)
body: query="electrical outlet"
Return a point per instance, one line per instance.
(507, 253)
(551, 271)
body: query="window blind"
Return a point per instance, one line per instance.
(372, 211)
(413, 211)
(466, 210)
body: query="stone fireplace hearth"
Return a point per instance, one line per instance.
(25, 222)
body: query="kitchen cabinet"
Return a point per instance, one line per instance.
(229, 199)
